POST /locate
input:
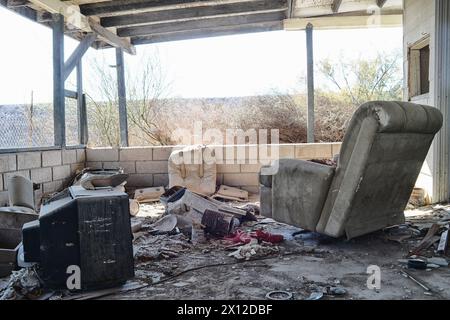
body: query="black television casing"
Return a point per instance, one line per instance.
(89, 229)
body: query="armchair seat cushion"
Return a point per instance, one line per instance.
(299, 190)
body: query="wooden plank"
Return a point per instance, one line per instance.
(78, 53)
(70, 94)
(336, 5)
(58, 81)
(194, 13)
(343, 22)
(123, 121)
(310, 82)
(200, 24)
(209, 32)
(130, 6)
(112, 38)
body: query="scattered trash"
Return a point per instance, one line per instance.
(92, 179)
(149, 194)
(165, 224)
(429, 239)
(417, 264)
(438, 261)
(250, 251)
(279, 295)
(230, 193)
(315, 296)
(219, 224)
(23, 284)
(268, 237)
(443, 242)
(417, 281)
(337, 291)
(134, 207)
(239, 237)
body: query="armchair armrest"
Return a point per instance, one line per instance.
(299, 190)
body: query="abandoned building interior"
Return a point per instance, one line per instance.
(306, 221)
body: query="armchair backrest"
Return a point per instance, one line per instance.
(381, 157)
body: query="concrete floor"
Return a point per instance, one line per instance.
(304, 264)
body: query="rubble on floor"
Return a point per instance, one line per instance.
(264, 259)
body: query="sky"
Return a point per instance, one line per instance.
(239, 65)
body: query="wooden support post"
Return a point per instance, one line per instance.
(310, 81)
(78, 54)
(123, 121)
(58, 81)
(81, 107)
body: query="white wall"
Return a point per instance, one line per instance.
(419, 22)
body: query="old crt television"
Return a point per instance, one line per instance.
(89, 229)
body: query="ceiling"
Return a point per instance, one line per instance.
(127, 23)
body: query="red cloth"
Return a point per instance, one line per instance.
(268, 237)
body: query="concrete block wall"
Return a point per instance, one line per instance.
(50, 169)
(147, 166)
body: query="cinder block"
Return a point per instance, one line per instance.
(287, 151)
(102, 155)
(94, 165)
(151, 166)
(228, 168)
(268, 153)
(240, 154)
(81, 155)
(111, 165)
(51, 187)
(250, 168)
(4, 199)
(69, 156)
(8, 163)
(136, 154)
(336, 148)
(41, 175)
(140, 180)
(28, 160)
(61, 172)
(23, 173)
(128, 166)
(313, 151)
(51, 158)
(160, 180)
(240, 179)
(162, 153)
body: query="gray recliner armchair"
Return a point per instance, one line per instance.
(381, 157)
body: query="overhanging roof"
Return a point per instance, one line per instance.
(125, 23)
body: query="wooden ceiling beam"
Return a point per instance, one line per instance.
(194, 13)
(200, 24)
